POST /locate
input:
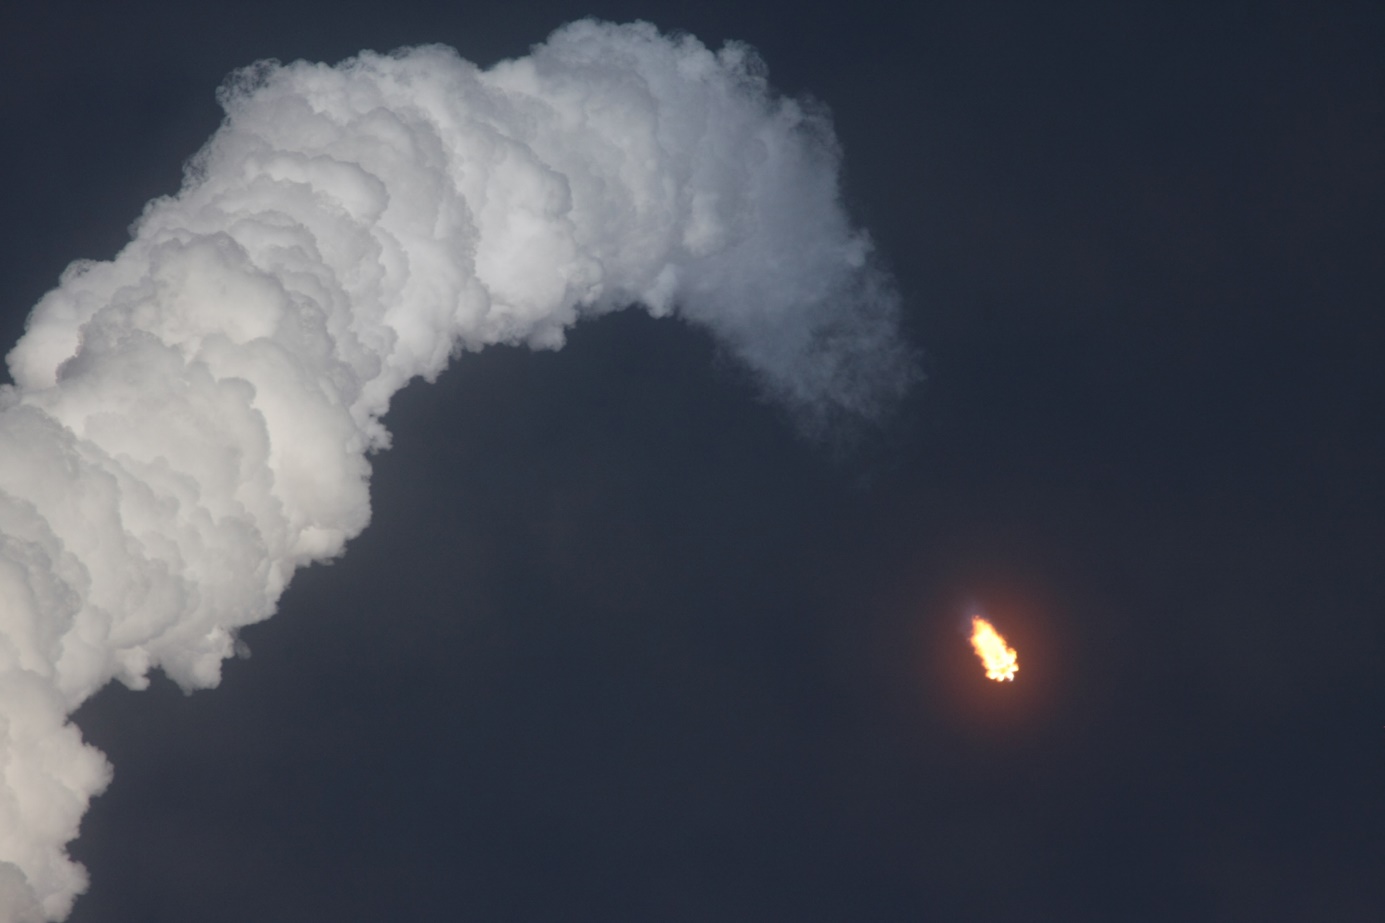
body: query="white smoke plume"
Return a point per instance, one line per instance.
(190, 422)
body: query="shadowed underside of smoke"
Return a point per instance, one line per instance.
(191, 421)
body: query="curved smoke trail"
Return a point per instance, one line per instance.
(191, 421)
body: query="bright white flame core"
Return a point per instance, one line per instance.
(1000, 660)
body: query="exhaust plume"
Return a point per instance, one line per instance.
(190, 422)
(1000, 660)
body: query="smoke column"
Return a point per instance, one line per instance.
(191, 421)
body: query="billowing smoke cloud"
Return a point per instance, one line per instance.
(191, 421)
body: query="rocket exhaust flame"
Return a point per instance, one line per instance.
(1000, 660)
(191, 421)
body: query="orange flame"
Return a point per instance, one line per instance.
(1002, 663)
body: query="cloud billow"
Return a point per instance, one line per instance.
(191, 421)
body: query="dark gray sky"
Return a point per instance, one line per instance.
(619, 646)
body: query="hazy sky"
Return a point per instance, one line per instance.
(620, 646)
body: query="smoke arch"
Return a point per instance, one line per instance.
(191, 421)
